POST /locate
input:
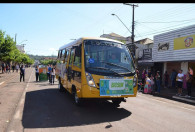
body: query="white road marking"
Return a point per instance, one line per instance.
(17, 115)
(168, 103)
(2, 82)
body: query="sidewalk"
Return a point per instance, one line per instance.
(170, 93)
(6, 76)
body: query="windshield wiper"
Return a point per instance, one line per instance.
(105, 69)
(117, 66)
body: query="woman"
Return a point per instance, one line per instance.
(143, 78)
(166, 79)
(52, 75)
(152, 83)
(157, 77)
(179, 80)
(189, 81)
(37, 73)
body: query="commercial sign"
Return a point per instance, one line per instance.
(163, 46)
(184, 42)
(116, 87)
(147, 54)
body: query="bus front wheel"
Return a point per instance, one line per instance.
(77, 100)
(116, 102)
(60, 86)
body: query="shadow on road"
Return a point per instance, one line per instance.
(50, 108)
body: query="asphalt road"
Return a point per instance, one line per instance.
(42, 108)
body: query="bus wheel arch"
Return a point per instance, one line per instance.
(78, 101)
(60, 86)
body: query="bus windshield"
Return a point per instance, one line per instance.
(108, 58)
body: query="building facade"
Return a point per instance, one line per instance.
(175, 50)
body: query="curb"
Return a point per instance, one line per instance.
(176, 98)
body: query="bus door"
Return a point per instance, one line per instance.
(66, 68)
(76, 68)
(69, 69)
(61, 66)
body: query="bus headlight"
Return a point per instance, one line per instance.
(90, 80)
(135, 81)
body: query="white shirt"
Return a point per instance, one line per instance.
(53, 73)
(180, 75)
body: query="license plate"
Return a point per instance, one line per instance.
(116, 87)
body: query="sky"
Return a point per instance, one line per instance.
(44, 27)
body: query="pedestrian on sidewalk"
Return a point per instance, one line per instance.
(37, 73)
(166, 79)
(52, 75)
(22, 73)
(179, 79)
(13, 67)
(143, 78)
(152, 83)
(147, 86)
(17, 67)
(48, 72)
(173, 78)
(189, 79)
(157, 77)
(3, 67)
(7, 68)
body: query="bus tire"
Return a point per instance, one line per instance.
(60, 86)
(78, 101)
(116, 102)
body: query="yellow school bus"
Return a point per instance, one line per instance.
(96, 68)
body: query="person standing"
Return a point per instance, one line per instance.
(3, 67)
(152, 83)
(143, 78)
(189, 78)
(17, 67)
(7, 68)
(22, 73)
(13, 67)
(37, 73)
(52, 75)
(179, 82)
(157, 77)
(173, 78)
(166, 79)
(49, 71)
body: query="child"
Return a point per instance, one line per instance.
(147, 87)
(152, 83)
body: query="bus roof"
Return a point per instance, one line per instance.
(78, 41)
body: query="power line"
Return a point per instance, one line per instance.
(165, 31)
(169, 21)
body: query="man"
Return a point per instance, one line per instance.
(113, 59)
(180, 76)
(3, 67)
(173, 78)
(22, 72)
(49, 73)
(37, 73)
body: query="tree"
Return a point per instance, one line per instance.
(7, 49)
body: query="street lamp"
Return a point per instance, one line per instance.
(23, 41)
(121, 21)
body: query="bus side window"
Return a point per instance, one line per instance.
(66, 56)
(58, 54)
(71, 56)
(77, 57)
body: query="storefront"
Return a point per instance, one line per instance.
(175, 50)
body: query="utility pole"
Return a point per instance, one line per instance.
(15, 37)
(133, 26)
